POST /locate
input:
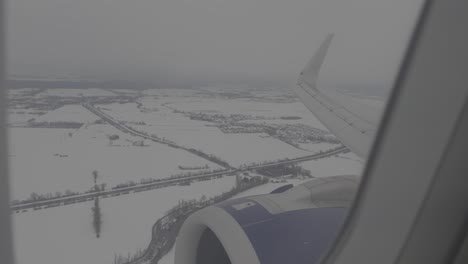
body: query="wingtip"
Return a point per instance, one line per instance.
(310, 73)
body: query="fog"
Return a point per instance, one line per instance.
(203, 42)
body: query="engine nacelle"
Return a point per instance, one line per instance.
(293, 226)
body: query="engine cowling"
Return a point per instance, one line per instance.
(293, 226)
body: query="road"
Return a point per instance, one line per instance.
(115, 192)
(163, 183)
(228, 170)
(122, 127)
(325, 154)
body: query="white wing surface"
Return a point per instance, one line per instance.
(354, 121)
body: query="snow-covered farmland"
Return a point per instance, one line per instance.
(237, 149)
(20, 92)
(342, 164)
(250, 107)
(44, 160)
(125, 91)
(72, 92)
(49, 160)
(169, 257)
(172, 92)
(65, 234)
(17, 117)
(68, 113)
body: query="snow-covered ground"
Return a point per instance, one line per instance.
(165, 107)
(20, 116)
(20, 92)
(125, 91)
(244, 106)
(344, 164)
(65, 234)
(247, 106)
(341, 164)
(237, 149)
(45, 160)
(169, 257)
(172, 92)
(72, 92)
(68, 113)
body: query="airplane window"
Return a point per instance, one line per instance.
(139, 130)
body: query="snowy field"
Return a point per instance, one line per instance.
(50, 160)
(342, 164)
(248, 107)
(125, 91)
(45, 160)
(21, 92)
(20, 116)
(65, 234)
(165, 107)
(237, 149)
(68, 113)
(173, 92)
(69, 92)
(169, 257)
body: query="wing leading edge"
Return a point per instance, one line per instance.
(352, 121)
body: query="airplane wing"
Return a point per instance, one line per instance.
(291, 224)
(354, 121)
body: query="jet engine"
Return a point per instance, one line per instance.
(289, 225)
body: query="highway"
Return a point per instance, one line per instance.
(115, 192)
(83, 197)
(297, 160)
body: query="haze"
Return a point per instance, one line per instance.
(204, 42)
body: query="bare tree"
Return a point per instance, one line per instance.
(95, 175)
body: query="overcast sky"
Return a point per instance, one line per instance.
(199, 42)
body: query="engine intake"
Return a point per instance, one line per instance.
(295, 226)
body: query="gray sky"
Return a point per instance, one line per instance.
(177, 42)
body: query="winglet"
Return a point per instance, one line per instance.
(312, 69)
(349, 125)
